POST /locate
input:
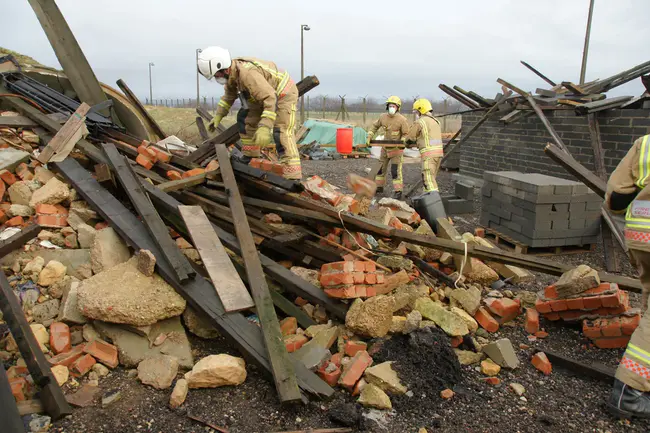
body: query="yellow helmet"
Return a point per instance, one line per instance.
(394, 100)
(422, 105)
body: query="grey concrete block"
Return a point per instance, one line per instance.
(580, 189)
(578, 207)
(512, 226)
(594, 205)
(560, 207)
(486, 191)
(563, 189)
(464, 191)
(560, 225)
(576, 224)
(500, 212)
(458, 206)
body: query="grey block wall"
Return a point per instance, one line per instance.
(520, 145)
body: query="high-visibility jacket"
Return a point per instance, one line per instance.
(396, 127)
(428, 135)
(630, 179)
(260, 82)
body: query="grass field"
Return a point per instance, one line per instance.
(181, 121)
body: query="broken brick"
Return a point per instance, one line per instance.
(629, 324)
(289, 326)
(256, 163)
(332, 376)
(352, 347)
(60, 340)
(174, 175)
(8, 177)
(353, 371)
(18, 386)
(144, 161)
(456, 341)
(541, 362)
(300, 301)
(104, 352)
(485, 319)
(193, 172)
(16, 221)
(612, 342)
(532, 320)
(82, 365)
(294, 342)
(147, 153)
(67, 358)
(506, 308)
(542, 306)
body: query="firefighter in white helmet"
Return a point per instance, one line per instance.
(426, 132)
(271, 97)
(396, 127)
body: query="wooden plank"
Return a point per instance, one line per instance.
(16, 122)
(11, 421)
(574, 88)
(69, 53)
(230, 288)
(595, 371)
(512, 87)
(547, 93)
(103, 173)
(152, 221)
(65, 139)
(19, 239)
(583, 174)
(188, 182)
(29, 407)
(151, 122)
(198, 292)
(202, 131)
(50, 393)
(539, 74)
(457, 96)
(283, 373)
(231, 134)
(473, 96)
(611, 259)
(271, 178)
(547, 124)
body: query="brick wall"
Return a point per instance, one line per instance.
(520, 146)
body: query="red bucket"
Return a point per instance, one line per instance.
(344, 140)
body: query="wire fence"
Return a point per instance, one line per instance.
(357, 111)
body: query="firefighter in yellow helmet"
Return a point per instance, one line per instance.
(426, 132)
(627, 193)
(271, 97)
(396, 127)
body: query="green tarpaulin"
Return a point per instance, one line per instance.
(324, 133)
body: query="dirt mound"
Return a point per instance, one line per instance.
(424, 361)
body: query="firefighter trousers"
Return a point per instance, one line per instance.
(394, 159)
(283, 132)
(634, 368)
(430, 168)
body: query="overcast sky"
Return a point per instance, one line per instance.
(358, 48)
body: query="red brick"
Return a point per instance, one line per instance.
(353, 371)
(3, 217)
(505, 308)
(277, 168)
(532, 320)
(336, 359)
(542, 306)
(144, 161)
(558, 305)
(147, 153)
(161, 155)
(381, 278)
(359, 277)
(54, 221)
(352, 347)
(174, 175)
(255, 163)
(23, 172)
(612, 343)
(67, 358)
(15, 222)
(550, 292)
(330, 378)
(552, 316)
(479, 232)
(611, 327)
(104, 352)
(575, 304)
(82, 365)
(541, 334)
(193, 172)
(492, 380)
(571, 315)
(612, 301)
(289, 326)
(336, 267)
(357, 388)
(370, 278)
(60, 338)
(8, 177)
(266, 165)
(46, 209)
(629, 324)
(332, 280)
(456, 341)
(592, 303)
(485, 319)
(541, 362)
(16, 371)
(604, 287)
(294, 342)
(370, 266)
(591, 329)
(360, 266)
(18, 387)
(446, 394)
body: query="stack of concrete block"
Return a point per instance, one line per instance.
(540, 211)
(461, 202)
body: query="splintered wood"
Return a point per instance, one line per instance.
(224, 276)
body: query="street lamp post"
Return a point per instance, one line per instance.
(198, 50)
(150, 86)
(303, 28)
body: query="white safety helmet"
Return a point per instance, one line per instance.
(213, 59)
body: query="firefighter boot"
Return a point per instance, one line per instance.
(627, 402)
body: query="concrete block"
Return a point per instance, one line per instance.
(563, 189)
(458, 206)
(580, 189)
(10, 158)
(500, 212)
(576, 224)
(464, 191)
(560, 225)
(560, 207)
(594, 205)
(486, 191)
(512, 226)
(578, 207)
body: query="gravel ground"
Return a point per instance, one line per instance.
(561, 402)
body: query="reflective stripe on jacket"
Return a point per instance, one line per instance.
(426, 132)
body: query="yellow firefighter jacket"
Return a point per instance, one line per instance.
(428, 135)
(396, 126)
(260, 82)
(630, 179)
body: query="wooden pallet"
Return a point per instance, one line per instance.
(356, 155)
(507, 243)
